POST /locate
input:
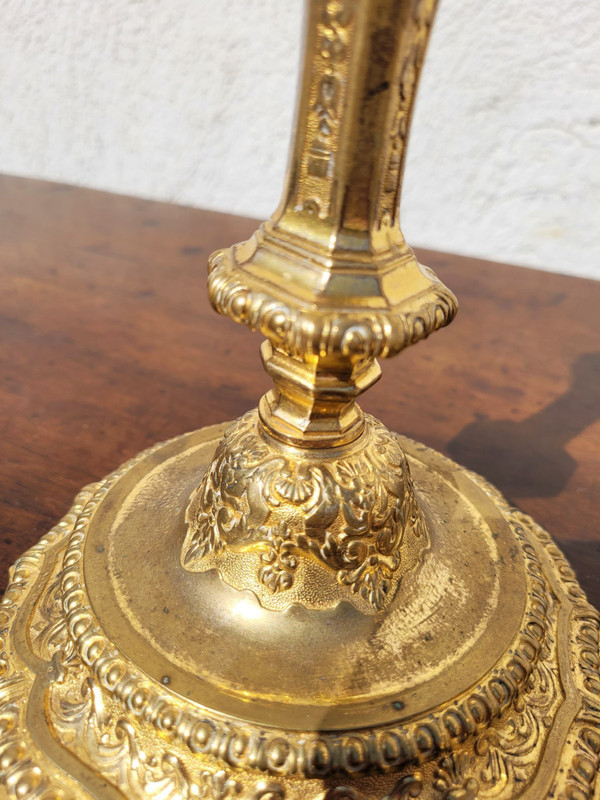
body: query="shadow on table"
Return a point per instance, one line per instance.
(527, 458)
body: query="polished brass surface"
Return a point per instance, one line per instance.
(332, 284)
(329, 279)
(125, 676)
(302, 605)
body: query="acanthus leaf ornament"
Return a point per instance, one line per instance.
(356, 515)
(93, 692)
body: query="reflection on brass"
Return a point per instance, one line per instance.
(303, 605)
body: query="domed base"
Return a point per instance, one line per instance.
(126, 675)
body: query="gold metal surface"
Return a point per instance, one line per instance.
(332, 284)
(480, 680)
(303, 605)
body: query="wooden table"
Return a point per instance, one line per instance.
(108, 344)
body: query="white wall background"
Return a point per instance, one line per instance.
(191, 101)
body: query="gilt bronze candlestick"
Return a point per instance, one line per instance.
(303, 605)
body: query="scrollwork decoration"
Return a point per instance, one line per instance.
(356, 515)
(508, 742)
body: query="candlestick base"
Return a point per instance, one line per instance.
(126, 675)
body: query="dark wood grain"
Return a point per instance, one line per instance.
(108, 344)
